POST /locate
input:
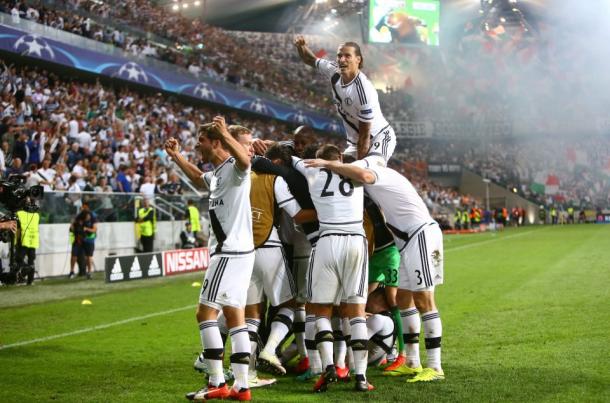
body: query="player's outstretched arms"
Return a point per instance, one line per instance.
(351, 171)
(242, 160)
(194, 174)
(305, 53)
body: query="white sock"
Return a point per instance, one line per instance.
(359, 343)
(339, 345)
(315, 363)
(347, 334)
(433, 330)
(299, 330)
(213, 351)
(253, 325)
(324, 340)
(411, 325)
(280, 326)
(240, 357)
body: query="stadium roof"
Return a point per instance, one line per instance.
(250, 15)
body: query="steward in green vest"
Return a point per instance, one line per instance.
(457, 220)
(28, 240)
(147, 221)
(193, 217)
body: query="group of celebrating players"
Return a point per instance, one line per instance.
(365, 254)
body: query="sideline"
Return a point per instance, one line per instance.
(472, 245)
(94, 328)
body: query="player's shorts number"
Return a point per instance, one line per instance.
(205, 285)
(419, 279)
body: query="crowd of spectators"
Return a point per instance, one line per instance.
(75, 136)
(581, 169)
(202, 49)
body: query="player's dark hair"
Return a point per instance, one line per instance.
(347, 159)
(357, 50)
(281, 152)
(310, 151)
(329, 152)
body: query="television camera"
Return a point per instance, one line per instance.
(15, 196)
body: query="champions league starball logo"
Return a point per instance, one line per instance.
(203, 90)
(300, 118)
(133, 72)
(334, 127)
(258, 106)
(33, 45)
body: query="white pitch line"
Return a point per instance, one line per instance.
(94, 328)
(472, 245)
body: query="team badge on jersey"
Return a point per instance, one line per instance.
(436, 258)
(348, 101)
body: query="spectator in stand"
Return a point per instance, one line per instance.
(148, 188)
(123, 184)
(16, 168)
(173, 186)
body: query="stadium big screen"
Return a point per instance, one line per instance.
(404, 21)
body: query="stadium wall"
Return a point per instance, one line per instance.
(53, 256)
(473, 184)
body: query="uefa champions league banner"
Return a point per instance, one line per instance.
(26, 44)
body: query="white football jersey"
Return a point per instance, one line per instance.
(339, 201)
(286, 201)
(230, 211)
(356, 101)
(404, 210)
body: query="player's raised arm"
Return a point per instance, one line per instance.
(354, 172)
(304, 52)
(242, 159)
(194, 174)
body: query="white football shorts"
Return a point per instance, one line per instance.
(338, 270)
(271, 277)
(421, 260)
(226, 281)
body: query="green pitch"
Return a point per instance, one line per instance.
(525, 318)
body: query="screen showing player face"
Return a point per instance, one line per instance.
(414, 22)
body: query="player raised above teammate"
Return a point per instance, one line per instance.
(369, 135)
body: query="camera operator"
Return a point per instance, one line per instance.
(28, 239)
(78, 235)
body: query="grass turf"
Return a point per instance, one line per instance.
(524, 312)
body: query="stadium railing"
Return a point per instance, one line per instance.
(61, 207)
